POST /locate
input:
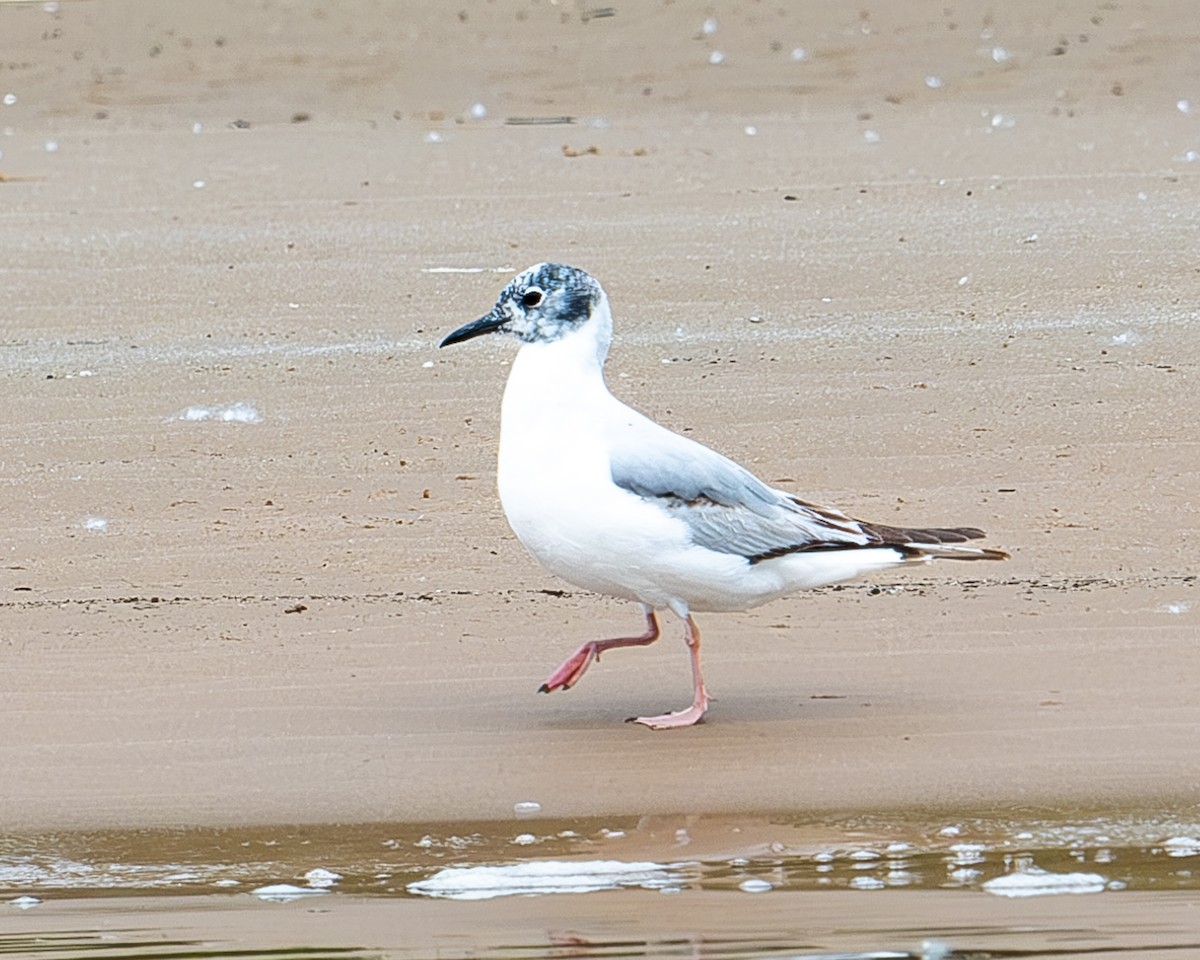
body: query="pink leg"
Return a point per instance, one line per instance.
(575, 666)
(700, 697)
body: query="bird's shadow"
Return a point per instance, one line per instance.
(742, 709)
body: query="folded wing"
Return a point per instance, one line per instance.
(729, 510)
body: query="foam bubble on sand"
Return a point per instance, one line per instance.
(24, 903)
(1127, 338)
(468, 270)
(544, 876)
(283, 892)
(527, 808)
(96, 524)
(1034, 882)
(240, 412)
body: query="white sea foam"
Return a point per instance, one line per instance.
(282, 892)
(1034, 882)
(544, 876)
(1182, 847)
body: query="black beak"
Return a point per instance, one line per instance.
(485, 324)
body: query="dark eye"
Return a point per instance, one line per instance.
(533, 296)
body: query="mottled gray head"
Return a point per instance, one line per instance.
(542, 304)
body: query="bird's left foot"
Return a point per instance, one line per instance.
(680, 718)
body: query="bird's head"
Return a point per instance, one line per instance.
(541, 305)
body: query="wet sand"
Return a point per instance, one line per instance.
(974, 303)
(692, 925)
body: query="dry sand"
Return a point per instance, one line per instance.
(977, 305)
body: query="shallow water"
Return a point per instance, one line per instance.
(681, 853)
(656, 887)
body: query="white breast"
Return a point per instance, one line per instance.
(555, 479)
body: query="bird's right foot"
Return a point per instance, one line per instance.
(680, 718)
(571, 669)
(575, 666)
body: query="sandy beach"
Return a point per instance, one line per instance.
(937, 268)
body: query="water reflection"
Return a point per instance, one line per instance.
(129, 944)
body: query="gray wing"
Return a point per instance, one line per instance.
(725, 507)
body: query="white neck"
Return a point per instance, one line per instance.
(548, 379)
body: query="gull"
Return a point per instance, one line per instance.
(614, 503)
